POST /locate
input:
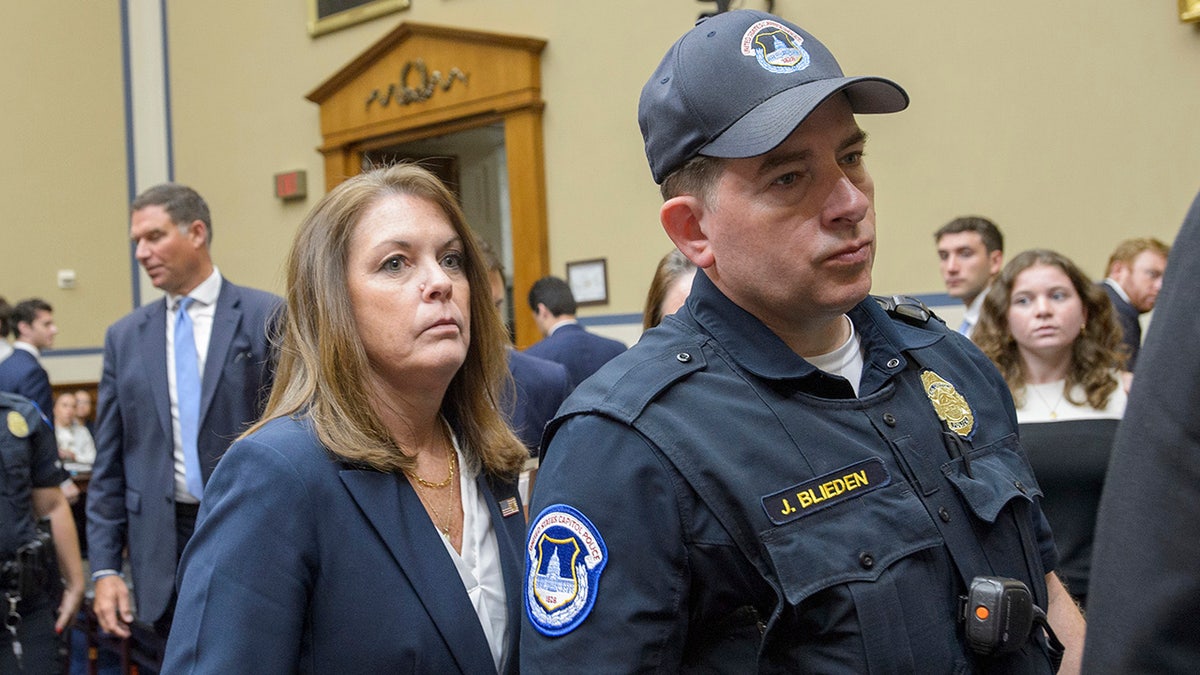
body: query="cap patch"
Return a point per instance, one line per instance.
(564, 556)
(777, 47)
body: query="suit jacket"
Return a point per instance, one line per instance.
(580, 351)
(1131, 328)
(540, 386)
(302, 563)
(131, 496)
(1145, 587)
(21, 374)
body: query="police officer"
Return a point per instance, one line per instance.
(34, 606)
(787, 475)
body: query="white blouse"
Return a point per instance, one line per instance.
(479, 563)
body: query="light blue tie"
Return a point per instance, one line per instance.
(187, 396)
(965, 328)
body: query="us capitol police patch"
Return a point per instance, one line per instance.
(776, 47)
(564, 556)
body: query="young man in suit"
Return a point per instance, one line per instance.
(182, 377)
(1133, 280)
(565, 340)
(32, 324)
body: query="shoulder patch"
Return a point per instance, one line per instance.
(17, 426)
(564, 556)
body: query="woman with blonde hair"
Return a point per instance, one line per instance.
(370, 521)
(1054, 337)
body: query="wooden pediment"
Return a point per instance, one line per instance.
(421, 75)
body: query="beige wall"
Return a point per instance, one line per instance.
(1071, 126)
(62, 191)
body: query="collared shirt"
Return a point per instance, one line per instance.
(973, 310)
(479, 563)
(25, 346)
(1112, 283)
(6, 350)
(202, 310)
(560, 324)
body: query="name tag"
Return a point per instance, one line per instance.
(832, 488)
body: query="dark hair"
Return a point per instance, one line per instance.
(1129, 249)
(1095, 353)
(5, 314)
(993, 240)
(25, 312)
(183, 204)
(323, 366)
(672, 266)
(491, 261)
(554, 293)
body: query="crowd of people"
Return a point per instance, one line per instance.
(784, 473)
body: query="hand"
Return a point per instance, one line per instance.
(70, 491)
(72, 599)
(112, 605)
(65, 454)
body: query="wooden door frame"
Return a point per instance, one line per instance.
(501, 84)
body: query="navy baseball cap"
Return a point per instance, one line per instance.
(738, 84)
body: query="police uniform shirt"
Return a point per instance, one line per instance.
(709, 500)
(28, 460)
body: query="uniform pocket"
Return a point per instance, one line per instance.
(855, 540)
(1000, 473)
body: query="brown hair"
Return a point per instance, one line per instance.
(1129, 249)
(672, 266)
(1094, 354)
(322, 370)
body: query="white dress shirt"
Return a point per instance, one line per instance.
(202, 310)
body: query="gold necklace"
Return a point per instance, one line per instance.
(444, 529)
(451, 460)
(1052, 408)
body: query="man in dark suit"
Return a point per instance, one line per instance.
(565, 341)
(182, 377)
(1134, 278)
(1145, 587)
(538, 386)
(32, 324)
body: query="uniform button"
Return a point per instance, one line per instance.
(1020, 486)
(683, 357)
(866, 560)
(943, 514)
(889, 419)
(892, 363)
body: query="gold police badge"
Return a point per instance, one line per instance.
(17, 425)
(950, 405)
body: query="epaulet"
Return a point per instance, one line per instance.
(908, 308)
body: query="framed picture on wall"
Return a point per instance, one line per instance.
(588, 280)
(325, 16)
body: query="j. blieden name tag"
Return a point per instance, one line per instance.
(823, 491)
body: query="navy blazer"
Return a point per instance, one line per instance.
(131, 495)
(1131, 328)
(540, 387)
(21, 374)
(302, 563)
(580, 351)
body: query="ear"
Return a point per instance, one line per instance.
(995, 262)
(197, 233)
(682, 218)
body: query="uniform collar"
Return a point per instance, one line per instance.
(757, 349)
